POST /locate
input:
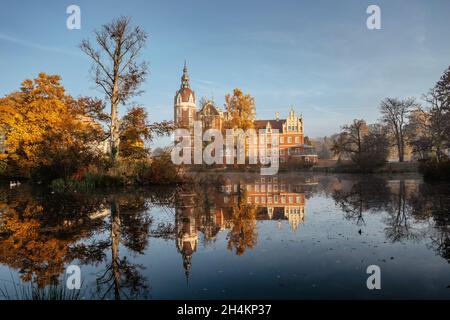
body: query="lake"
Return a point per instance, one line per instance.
(230, 236)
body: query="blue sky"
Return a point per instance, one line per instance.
(318, 56)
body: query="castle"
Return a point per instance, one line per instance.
(291, 139)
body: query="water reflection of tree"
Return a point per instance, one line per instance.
(243, 233)
(38, 232)
(365, 195)
(128, 224)
(400, 222)
(414, 210)
(41, 233)
(432, 201)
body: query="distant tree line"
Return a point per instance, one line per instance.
(404, 125)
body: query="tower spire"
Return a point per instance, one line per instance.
(185, 77)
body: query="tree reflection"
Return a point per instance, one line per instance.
(37, 234)
(400, 224)
(362, 196)
(412, 210)
(243, 233)
(129, 225)
(40, 234)
(433, 201)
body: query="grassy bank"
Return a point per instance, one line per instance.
(333, 166)
(124, 173)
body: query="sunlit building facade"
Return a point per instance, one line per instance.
(290, 130)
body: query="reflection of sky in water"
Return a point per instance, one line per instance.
(326, 257)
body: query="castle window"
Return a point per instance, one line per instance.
(290, 140)
(281, 139)
(297, 140)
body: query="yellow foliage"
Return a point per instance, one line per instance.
(38, 117)
(241, 110)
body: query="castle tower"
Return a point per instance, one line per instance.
(184, 103)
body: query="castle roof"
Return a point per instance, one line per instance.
(211, 109)
(185, 94)
(274, 124)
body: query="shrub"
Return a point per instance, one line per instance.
(125, 172)
(435, 170)
(297, 163)
(163, 171)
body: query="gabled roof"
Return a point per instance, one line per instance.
(275, 124)
(211, 109)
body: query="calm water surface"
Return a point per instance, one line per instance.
(232, 236)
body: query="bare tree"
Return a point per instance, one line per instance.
(443, 90)
(115, 68)
(365, 145)
(438, 123)
(351, 138)
(395, 114)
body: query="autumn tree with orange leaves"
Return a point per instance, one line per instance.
(135, 131)
(46, 129)
(241, 110)
(243, 233)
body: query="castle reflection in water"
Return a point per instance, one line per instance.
(211, 209)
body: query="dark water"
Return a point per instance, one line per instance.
(234, 236)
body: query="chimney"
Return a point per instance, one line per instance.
(277, 116)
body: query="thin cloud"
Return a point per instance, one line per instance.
(29, 44)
